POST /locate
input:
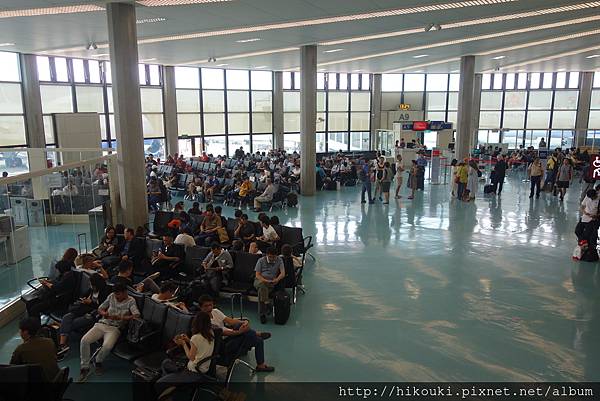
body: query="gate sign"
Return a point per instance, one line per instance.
(594, 172)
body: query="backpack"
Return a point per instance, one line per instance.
(292, 199)
(136, 329)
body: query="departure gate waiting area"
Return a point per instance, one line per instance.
(265, 200)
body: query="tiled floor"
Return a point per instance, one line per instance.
(432, 289)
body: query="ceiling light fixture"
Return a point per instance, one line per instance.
(437, 27)
(329, 20)
(455, 71)
(428, 27)
(148, 59)
(356, 70)
(245, 55)
(411, 67)
(261, 67)
(91, 46)
(593, 56)
(6, 44)
(421, 55)
(248, 40)
(479, 21)
(100, 55)
(482, 37)
(333, 51)
(150, 20)
(162, 3)
(498, 57)
(550, 58)
(32, 12)
(222, 65)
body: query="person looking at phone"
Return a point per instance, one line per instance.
(216, 266)
(166, 295)
(237, 333)
(116, 310)
(168, 257)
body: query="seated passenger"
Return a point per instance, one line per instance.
(131, 249)
(253, 248)
(210, 187)
(216, 266)
(166, 295)
(185, 238)
(269, 273)
(245, 230)
(197, 349)
(237, 245)
(167, 258)
(118, 309)
(266, 196)
(237, 334)
(35, 350)
(82, 314)
(45, 299)
(269, 237)
(124, 276)
(108, 243)
(208, 228)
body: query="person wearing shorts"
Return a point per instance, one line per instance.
(386, 182)
(565, 174)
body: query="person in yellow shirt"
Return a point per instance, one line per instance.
(244, 190)
(461, 178)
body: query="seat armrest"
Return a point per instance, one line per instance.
(148, 336)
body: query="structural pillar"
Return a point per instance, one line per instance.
(375, 109)
(583, 107)
(476, 108)
(34, 122)
(308, 119)
(122, 37)
(170, 110)
(278, 110)
(465, 129)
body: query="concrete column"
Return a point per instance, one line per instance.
(583, 107)
(476, 108)
(122, 37)
(278, 110)
(170, 110)
(32, 101)
(308, 119)
(375, 109)
(34, 122)
(464, 130)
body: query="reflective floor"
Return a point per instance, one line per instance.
(432, 289)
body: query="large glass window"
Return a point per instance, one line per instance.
(212, 78)
(391, 83)
(90, 99)
(9, 67)
(187, 77)
(215, 146)
(414, 82)
(56, 99)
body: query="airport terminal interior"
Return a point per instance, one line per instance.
(417, 177)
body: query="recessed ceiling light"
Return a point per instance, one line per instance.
(31, 12)
(333, 51)
(421, 55)
(248, 40)
(455, 71)
(561, 69)
(245, 55)
(593, 56)
(100, 55)
(161, 3)
(356, 70)
(222, 65)
(322, 69)
(6, 44)
(498, 57)
(148, 59)
(150, 20)
(261, 66)
(417, 71)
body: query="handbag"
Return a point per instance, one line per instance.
(222, 233)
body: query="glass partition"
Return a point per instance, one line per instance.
(47, 208)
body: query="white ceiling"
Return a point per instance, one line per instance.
(68, 34)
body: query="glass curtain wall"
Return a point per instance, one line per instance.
(343, 111)
(519, 109)
(79, 85)
(219, 111)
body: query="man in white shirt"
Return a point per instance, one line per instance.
(587, 228)
(266, 196)
(185, 238)
(237, 333)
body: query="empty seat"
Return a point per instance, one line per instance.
(242, 277)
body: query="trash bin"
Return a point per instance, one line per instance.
(36, 212)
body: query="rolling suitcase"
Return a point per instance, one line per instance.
(488, 189)
(281, 305)
(143, 381)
